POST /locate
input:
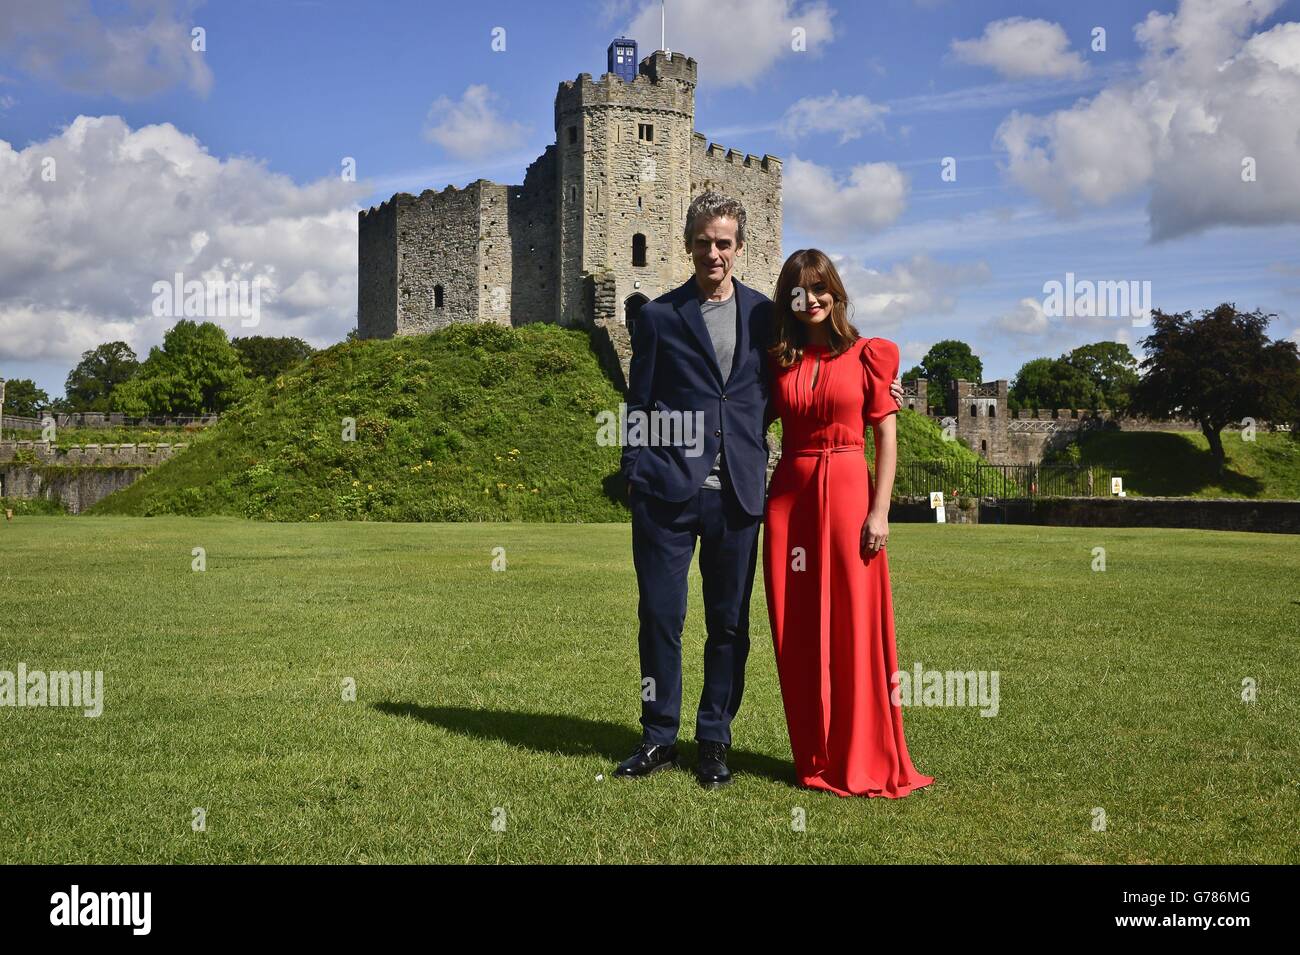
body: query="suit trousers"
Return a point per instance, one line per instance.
(663, 543)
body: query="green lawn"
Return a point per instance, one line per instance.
(515, 689)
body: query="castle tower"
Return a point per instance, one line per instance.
(594, 232)
(981, 413)
(624, 156)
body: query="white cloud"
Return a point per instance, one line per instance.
(734, 42)
(1019, 48)
(820, 203)
(1027, 318)
(911, 353)
(472, 128)
(143, 48)
(1208, 96)
(128, 208)
(913, 289)
(809, 118)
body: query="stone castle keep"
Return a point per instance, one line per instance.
(594, 231)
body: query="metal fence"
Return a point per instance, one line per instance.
(1011, 481)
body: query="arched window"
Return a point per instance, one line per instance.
(993, 411)
(984, 447)
(638, 249)
(973, 411)
(437, 296)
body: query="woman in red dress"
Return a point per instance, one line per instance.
(824, 563)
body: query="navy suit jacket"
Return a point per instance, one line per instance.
(674, 368)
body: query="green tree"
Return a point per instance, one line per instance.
(89, 386)
(267, 357)
(945, 362)
(1033, 385)
(1112, 369)
(1052, 383)
(1217, 370)
(196, 371)
(24, 399)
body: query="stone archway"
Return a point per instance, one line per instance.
(632, 311)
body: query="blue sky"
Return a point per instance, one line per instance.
(1067, 159)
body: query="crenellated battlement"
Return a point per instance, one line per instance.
(398, 199)
(87, 455)
(717, 152)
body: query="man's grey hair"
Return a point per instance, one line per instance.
(713, 205)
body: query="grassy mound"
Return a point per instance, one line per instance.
(477, 422)
(474, 423)
(1179, 464)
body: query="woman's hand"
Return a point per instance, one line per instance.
(896, 390)
(875, 533)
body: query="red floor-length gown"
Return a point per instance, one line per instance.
(830, 608)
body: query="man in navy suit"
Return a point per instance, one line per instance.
(699, 375)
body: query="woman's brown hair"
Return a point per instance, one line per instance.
(806, 269)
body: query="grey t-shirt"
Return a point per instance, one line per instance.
(720, 320)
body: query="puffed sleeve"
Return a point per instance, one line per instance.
(879, 369)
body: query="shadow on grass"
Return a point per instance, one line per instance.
(570, 735)
(1164, 464)
(614, 487)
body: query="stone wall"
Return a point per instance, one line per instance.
(377, 271)
(124, 455)
(438, 241)
(77, 476)
(979, 415)
(1222, 514)
(610, 338)
(77, 489)
(916, 395)
(533, 260)
(756, 183)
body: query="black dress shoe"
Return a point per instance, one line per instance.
(712, 770)
(648, 758)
